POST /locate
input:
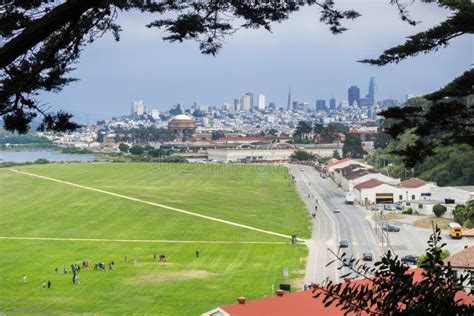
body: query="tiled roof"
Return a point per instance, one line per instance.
(335, 163)
(412, 183)
(372, 183)
(462, 259)
(468, 232)
(304, 304)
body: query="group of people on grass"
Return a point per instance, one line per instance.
(99, 266)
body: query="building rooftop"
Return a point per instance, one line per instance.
(462, 259)
(372, 183)
(332, 164)
(412, 183)
(304, 304)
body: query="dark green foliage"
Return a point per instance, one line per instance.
(439, 210)
(382, 140)
(74, 150)
(460, 213)
(336, 154)
(353, 147)
(423, 259)
(41, 161)
(137, 150)
(408, 211)
(391, 288)
(10, 138)
(302, 155)
(124, 147)
(217, 134)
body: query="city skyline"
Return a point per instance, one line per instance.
(326, 65)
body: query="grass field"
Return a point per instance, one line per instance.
(259, 196)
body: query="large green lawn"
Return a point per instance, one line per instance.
(258, 196)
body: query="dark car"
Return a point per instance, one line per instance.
(409, 259)
(343, 244)
(367, 256)
(391, 228)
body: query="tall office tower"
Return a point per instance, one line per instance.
(288, 106)
(247, 102)
(155, 114)
(252, 102)
(353, 95)
(237, 104)
(320, 105)
(332, 103)
(138, 108)
(227, 107)
(261, 102)
(295, 105)
(303, 107)
(372, 91)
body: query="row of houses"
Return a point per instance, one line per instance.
(370, 186)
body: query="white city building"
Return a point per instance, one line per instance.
(261, 102)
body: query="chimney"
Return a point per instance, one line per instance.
(241, 300)
(347, 279)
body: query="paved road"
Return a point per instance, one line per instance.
(329, 228)
(414, 241)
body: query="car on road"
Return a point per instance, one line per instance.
(343, 244)
(301, 169)
(347, 261)
(336, 210)
(390, 227)
(409, 259)
(367, 256)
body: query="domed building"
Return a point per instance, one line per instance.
(182, 125)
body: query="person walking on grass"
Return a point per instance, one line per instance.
(49, 284)
(44, 284)
(25, 279)
(197, 253)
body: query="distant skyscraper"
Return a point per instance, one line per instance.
(288, 106)
(237, 104)
(261, 102)
(247, 102)
(155, 114)
(332, 103)
(372, 95)
(320, 105)
(138, 108)
(272, 105)
(304, 107)
(295, 105)
(252, 101)
(353, 94)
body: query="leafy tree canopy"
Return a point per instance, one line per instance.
(353, 147)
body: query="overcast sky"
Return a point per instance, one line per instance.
(301, 51)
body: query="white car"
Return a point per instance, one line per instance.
(336, 210)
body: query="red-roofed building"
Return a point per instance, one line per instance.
(463, 262)
(376, 191)
(332, 166)
(416, 189)
(301, 304)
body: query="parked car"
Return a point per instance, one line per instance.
(343, 244)
(409, 259)
(367, 256)
(390, 227)
(336, 210)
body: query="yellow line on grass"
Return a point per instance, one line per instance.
(143, 240)
(158, 205)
